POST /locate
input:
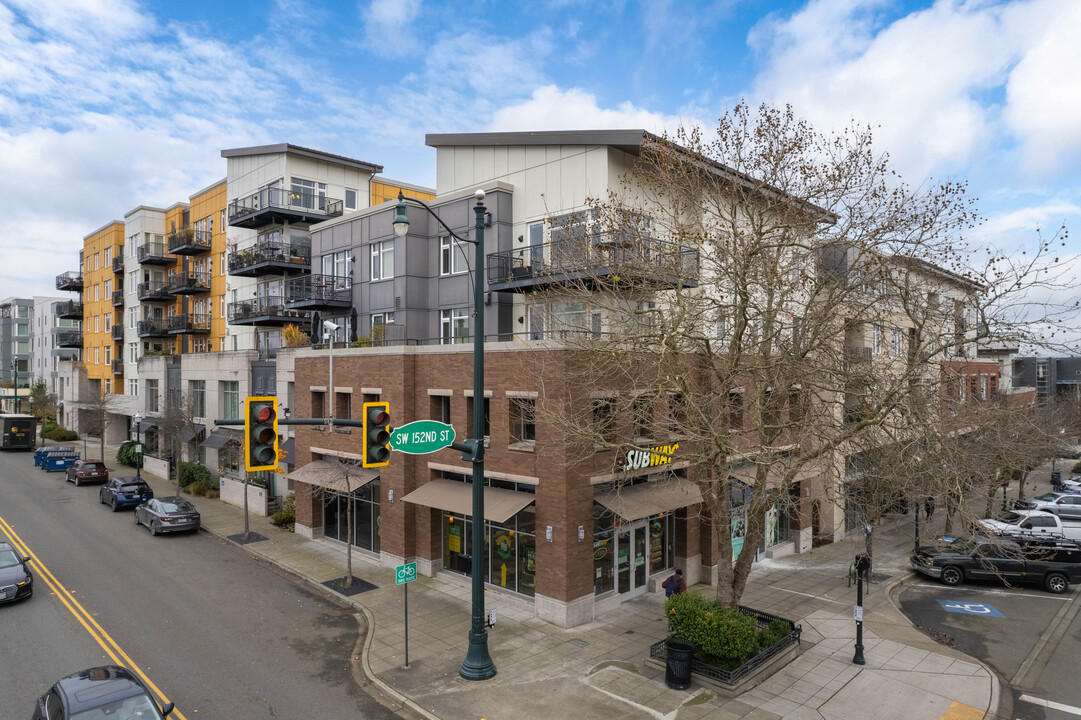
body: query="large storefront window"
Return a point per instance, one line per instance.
(365, 516)
(509, 556)
(627, 553)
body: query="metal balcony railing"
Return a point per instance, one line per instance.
(274, 204)
(189, 323)
(320, 291)
(188, 241)
(71, 280)
(153, 252)
(188, 282)
(270, 254)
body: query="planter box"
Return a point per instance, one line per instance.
(730, 683)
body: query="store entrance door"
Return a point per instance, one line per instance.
(632, 558)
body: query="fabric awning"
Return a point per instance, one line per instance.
(187, 434)
(500, 504)
(639, 501)
(334, 475)
(217, 439)
(146, 423)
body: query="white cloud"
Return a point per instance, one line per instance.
(933, 79)
(389, 27)
(553, 108)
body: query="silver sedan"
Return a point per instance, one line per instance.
(167, 514)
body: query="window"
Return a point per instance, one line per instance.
(307, 194)
(603, 419)
(523, 428)
(230, 399)
(876, 339)
(383, 260)
(378, 327)
(735, 410)
(97, 323)
(319, 409)
(469, 417)
(454, 326)
(221, 264)
(197, 390)
(133, 387)
(335, 264)
(97, 355)
(896, 342)
(151, 395)
(642, 414)
(97, 292)
(795, 405)
(108, 355)
(97, 262)
(133, 353)
(108, 256)
(350, 199)
(452, 258)
(441, 408)
(677, 414)
(108, 288)
(221, 223)
(343, 403)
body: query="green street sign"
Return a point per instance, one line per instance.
(405, 573)
(421, 437)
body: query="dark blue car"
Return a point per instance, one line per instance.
(107, 691)
(124, 492)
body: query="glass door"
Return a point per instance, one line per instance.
(632, 552)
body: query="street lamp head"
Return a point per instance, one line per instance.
(478, 194)
(401, 220)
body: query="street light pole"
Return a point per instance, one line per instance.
(138, 446)
(478, 663)
(15, 385)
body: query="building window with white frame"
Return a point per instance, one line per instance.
(383, 260)
(452, 258)
(350, 199)
(523, 428)
(378, 327)
(336, 264)
(230, 399)
(454, 326)
(896, 342)
(876, 339)
(197, 389)
(133, 387)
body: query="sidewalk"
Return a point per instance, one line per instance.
(600, 671)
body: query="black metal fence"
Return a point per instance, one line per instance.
(658, 651)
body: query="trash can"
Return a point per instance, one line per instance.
(677, 670)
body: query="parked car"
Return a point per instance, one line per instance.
(100, 692)
(1053, 564)
(124, 492)
(84, 471)
(1030, 523)
(1030, 503)
(16, 580)
(167, 514)
(1066, 505)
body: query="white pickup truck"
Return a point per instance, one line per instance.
(1032, 523)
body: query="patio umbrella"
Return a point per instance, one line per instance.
(317, 335)
(353, 324)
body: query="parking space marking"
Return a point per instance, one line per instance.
(969, 608)
(995, 591)
(1050, 704)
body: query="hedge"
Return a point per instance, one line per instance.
(721, 635)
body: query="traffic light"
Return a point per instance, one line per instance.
(376, 434)
(261, 433)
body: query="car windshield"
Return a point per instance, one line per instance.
(8, 559)
(134, 488)
(1046, 497)
(964, 547)
(139, 707)
(1009, 517)
(182, 506)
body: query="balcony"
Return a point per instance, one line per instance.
(118, 298)
(189, 324)
(270, 257)
(153, 291)
(118, 367)
(71, 280)
(595, 260)
(271, 206)
(317, 292)
(71, 309)
(154, 328)
(118, 261)
(189, 241)
(69, 339)
(188, 283)
(857, 358)
(118, 332)
(153, 253)
(265, 311)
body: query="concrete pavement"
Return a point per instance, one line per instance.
(600, 670)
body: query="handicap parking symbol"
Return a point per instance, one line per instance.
(969, 608)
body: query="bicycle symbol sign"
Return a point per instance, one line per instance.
(405, 573)
(969, 608)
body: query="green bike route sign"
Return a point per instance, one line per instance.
(421, 437)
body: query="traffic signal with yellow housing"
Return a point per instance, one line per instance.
(261, 433)
(376, 434)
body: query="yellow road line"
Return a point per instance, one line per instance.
(110, 646)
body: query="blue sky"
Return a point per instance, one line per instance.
(109, 104)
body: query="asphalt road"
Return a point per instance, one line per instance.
(216, 631)
(1033, 646)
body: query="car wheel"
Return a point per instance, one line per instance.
(76, 481)
(115, 508)
(1056, 583)
(101, 498)
(153, 530)
(952, 575)
(136, 514)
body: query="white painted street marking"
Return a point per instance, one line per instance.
(1051, 704)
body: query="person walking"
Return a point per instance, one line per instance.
(929, 507)
(674, 584)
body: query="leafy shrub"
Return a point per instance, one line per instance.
(126, 453)
(190, 472)
(1076, 468)
(722, 636)
(286, 518)
(60, 433)
(207, 487)
(47, 426)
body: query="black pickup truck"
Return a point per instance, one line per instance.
(1052, 564)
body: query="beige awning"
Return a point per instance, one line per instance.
(453, 496)
(639, 501)
(333, 475)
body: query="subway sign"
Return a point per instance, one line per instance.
(649, 457)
